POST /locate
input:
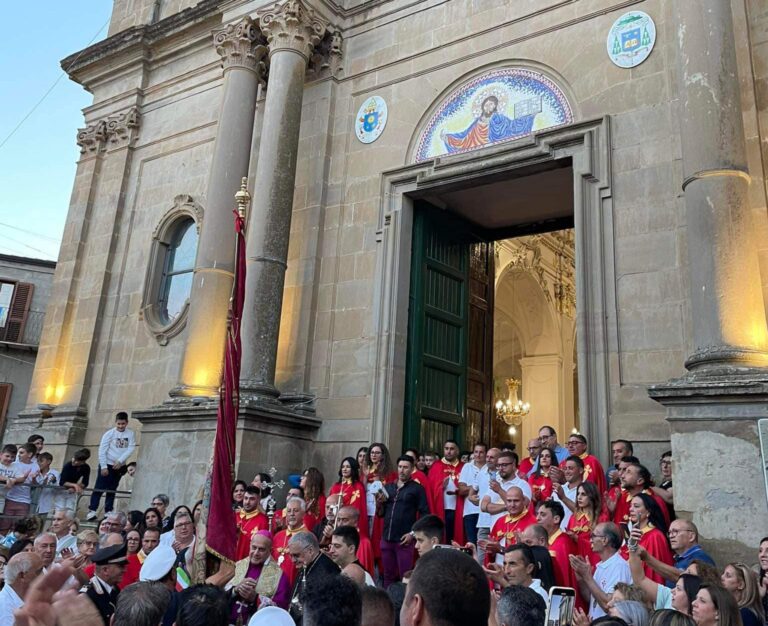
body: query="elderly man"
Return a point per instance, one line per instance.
(21, 570)
(684, 540)
(258, 581)
(110, 564)
(324, 528)
(611, 570)
(45, 548)
(142, 604)
(313, 565)
(505, 530)
(294, 519)
(60, 527)
(526, 465)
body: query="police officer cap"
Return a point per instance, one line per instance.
(111, 555)
(158, 563)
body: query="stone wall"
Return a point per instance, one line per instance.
(412, 55)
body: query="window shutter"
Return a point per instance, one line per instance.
(17, 316)
(5, 399)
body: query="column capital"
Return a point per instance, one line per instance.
(291, 25)
(121, 128)
(92, 137)
(240, 45)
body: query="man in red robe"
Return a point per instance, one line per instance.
(593, 470)
(250, 519)
(444, 498)
(526, 465)
(635, 479)
(549, 515)
(350, 516)
(508, 527)
(294, 518)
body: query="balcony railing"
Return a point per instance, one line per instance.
(33, 329)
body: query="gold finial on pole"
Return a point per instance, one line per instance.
(242, 197)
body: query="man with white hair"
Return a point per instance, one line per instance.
(60, 527)
(45, 548)
(294, 518)
(21, 570)
(315, 565)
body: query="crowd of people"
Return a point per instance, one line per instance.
(472, 538)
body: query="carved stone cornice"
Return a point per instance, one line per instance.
(114, 131)
(91, 138)
(241, 45)
(291, 25)
(122, 126)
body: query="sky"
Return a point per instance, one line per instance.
(38, 162)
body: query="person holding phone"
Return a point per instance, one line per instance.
(650, 532)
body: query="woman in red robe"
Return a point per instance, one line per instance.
(586, 516)
(540, 482)
(648, 522)
(380, 469)
(313, 484)
(352, 491)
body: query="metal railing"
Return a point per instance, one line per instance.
(38, 490)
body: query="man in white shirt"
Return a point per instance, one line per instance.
(573, 469)
(477, 492)
(494, 501)
(117, 445)
(467, 478)
(611, 570)
(519, 569)
(60, 527)
(21, 570)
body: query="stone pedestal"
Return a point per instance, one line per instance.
(177, 444)
(63, 429)
(718, 470)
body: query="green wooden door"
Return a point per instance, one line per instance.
(437, 374)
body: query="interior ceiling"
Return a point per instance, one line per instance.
(513, 202)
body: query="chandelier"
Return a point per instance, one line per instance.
(512, 410)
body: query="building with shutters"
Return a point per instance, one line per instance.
(446, 195)
(25, 288)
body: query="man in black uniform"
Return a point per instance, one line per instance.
(102, 590)
(315, 566)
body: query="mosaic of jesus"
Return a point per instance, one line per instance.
(498, 106)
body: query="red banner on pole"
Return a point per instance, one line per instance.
(221, 530)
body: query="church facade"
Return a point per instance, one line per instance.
(389, 146)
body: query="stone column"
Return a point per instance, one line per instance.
(729, 326)
(713, 410)
(242, 52)
(292, 31)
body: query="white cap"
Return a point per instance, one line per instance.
(158, 563)
(271, 616)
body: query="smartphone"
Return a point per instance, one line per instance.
(561, 603)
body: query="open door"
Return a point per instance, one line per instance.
(449, 371)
